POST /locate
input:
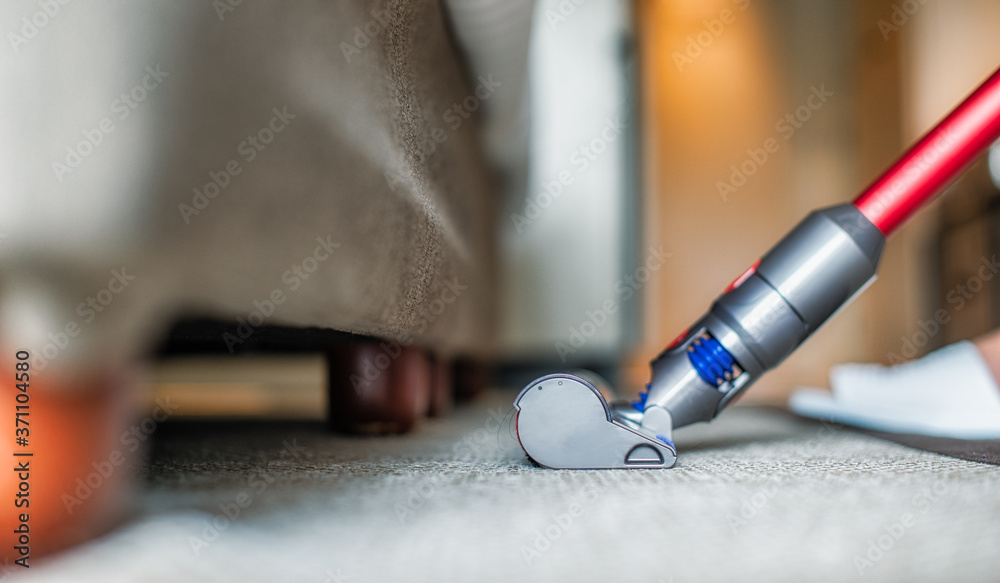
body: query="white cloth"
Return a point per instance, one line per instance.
(947, 393)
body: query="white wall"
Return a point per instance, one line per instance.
(564, 245)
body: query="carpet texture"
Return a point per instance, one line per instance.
(985, 451)
(757, 495)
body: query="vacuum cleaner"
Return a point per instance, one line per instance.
(565, 421)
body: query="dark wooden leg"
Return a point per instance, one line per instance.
(441, 387)
(377, 387)
(470, 379)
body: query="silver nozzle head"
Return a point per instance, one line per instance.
(564, 422)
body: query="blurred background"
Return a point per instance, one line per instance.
(363, 212)
(843, 88)
(636, 197)
(628, 184)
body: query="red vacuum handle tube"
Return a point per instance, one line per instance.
(809, 274)
(937, 159)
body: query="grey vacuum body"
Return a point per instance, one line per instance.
(764, 315)
(563, 421)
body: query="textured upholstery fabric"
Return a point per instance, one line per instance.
(300, 123)
(757, 495)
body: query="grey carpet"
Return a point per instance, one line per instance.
(985, 451)
(757, 495)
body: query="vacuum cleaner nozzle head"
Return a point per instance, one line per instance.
(564, 422)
